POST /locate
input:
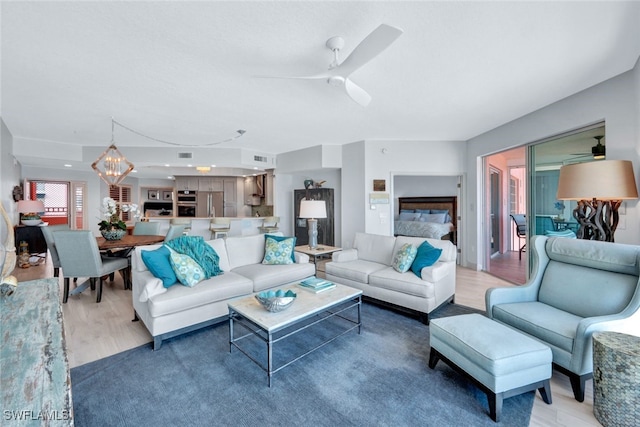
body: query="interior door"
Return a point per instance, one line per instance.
(495, 178)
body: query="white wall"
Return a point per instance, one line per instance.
(616, 101)
(9, 177)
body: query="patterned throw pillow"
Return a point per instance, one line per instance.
(278, 252)
(404, 257)
(188, 272)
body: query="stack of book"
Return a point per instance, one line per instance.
(316, 285)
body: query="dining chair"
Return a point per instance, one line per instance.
(182, 221)
(175, 231)
(521, 230)
(148, 228)
(47, 232)
(80, 257)
(269, 224)
(219, 227)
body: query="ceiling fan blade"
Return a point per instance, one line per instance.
(357, 93)
(369, 48)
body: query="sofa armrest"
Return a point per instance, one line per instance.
(345, 255)
(301, 258)
(436, 272)
(146, 285)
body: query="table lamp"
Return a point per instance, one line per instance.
(313, 209)
(599, 187)
(30, 210)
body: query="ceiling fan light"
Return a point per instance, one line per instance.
(598, 150)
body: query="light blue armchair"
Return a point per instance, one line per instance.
(577, 287)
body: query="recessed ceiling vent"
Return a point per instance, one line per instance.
(185, 155)
(261, 159)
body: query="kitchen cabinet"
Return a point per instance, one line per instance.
(189, 183)
(230, 186)
(210, 184)
(250, 191)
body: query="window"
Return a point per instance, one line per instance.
(122, 195)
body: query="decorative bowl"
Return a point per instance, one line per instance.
(115, 234)
(31, 222)
(275, 301)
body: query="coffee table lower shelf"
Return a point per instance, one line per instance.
(286, 329)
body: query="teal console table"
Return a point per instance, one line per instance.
(34, 369)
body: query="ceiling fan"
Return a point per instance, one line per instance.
(338, 73)
(598, 151)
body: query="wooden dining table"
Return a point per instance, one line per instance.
(121, 248)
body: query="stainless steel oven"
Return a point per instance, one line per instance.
(186, 209)
(186, 196)
(187, 203)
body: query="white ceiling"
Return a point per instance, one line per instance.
(184, 72)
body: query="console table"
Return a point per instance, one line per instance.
(36, 386)
(33, 236)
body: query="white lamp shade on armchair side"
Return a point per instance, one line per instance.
(312, 210)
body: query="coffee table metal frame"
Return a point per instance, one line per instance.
(267, 331)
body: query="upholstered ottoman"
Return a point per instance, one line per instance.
(501, 361)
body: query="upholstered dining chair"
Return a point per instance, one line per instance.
(270, 224)
(219, 227)
(80, 257)
(47, 232)
(520, 221)
(182, 221)
(175, 231)
(148, 228)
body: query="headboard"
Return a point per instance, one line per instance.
(437, 202)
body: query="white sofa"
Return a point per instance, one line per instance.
(368, 266)
(167, 312)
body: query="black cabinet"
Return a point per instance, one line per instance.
(326, 234)
(33, 236)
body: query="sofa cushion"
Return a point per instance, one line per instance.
(279, 251)
(187, 270)
(357, 270)
(279, 238)
(218, 245)
(245, 250)
(409, 284)
(375, 248)
(159, 264)
(404, 257)
(556, 327)
(267, 276)
(449, 250)
(426, 256)
(137, 253)
(181, 298)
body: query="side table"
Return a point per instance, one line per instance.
(36, 385)
(616, 378)
(318, 252)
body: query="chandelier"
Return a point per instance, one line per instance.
(113, 163)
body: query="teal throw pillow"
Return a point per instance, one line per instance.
(280, 239)
(427, 256)
(159, 264)
(278, 252)
(188, 272)
(404, 257)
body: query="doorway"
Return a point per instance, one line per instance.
(495, 180)
(63, 201)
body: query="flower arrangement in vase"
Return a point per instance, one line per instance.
(560, 208)
(112, 227)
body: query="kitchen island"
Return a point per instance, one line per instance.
(240, 226)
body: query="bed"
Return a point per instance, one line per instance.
(433, 217)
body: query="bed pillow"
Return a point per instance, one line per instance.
(278, 252)
(438, 218)
(409, 216)
(404, 257)
(159, 265)
(444, 211)
(426, 256)
(424, 211)
(407, 210)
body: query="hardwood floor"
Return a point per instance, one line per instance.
(507, 266)
(94, 331)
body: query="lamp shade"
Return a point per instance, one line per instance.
(313, 209)
(30, 206)
(601, 180)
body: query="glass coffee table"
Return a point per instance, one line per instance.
(248, 316)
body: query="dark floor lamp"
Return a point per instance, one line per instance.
(599, 188)
(312, 210)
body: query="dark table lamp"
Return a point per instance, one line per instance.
(312, 210)
(599, 187)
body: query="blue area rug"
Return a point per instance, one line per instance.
(379, 377)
